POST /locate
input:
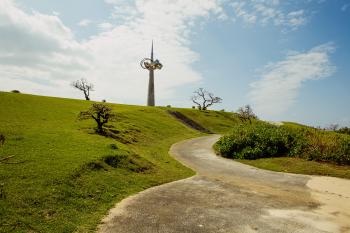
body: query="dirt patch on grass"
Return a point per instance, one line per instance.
(133, 163)
(121, 160)
(189, 122)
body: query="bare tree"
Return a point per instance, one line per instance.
(101, 113)
(204, 99)
(332, 127)
(84, 86)
(246, 114)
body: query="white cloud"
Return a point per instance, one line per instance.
(38, 49)
(38, 54)
(281, 81)
(118, 51)
(105, 26)
(123, 10)
(267, 11)
(84, 22)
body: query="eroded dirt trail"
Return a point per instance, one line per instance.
(226, 196)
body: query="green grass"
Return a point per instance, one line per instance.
(216, 121)
(62, 182)
(300, 166)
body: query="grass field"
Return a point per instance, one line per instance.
(67, 177)
(300, 166)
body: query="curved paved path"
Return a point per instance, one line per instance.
(227, 196)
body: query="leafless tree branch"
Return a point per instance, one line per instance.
(84, 86)
(246, 114)
(204, 99)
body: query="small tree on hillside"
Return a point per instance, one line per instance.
(204, 99)
(84, 86)
(101, 113)
(246, 114)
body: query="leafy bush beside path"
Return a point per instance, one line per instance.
(263, 140)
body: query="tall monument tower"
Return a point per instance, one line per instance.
(150, 97)
(150, 64)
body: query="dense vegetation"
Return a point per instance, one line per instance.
(344, 130)
(262, 140)
(63, 177)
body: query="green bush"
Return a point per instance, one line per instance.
(344, 130)
(327, 147)
(257, 141)
(261, 140)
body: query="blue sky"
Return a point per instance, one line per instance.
(288, 59)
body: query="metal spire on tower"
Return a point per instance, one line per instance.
(151, 65)
(152, 52)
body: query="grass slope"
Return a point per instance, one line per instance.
(65, 181)
(300, 166)
(216, 121)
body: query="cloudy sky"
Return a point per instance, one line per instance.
(288, 59)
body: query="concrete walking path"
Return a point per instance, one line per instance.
(227, 196)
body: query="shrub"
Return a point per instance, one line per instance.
(344, 130)
(256, 141)
(16, 91)
(327, 147)
(261, 140)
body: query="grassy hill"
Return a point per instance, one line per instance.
(64, 177)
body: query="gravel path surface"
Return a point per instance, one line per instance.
(227, 196)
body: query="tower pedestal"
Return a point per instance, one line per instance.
(150, 99)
